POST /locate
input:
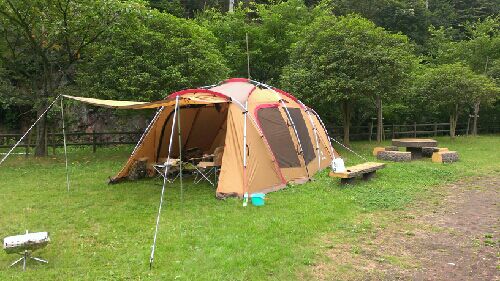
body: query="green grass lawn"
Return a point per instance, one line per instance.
(104, 232)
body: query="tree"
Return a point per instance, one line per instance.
(347, 60)
(454, 88)
(150, 56)
(410, 17)
(45, 39)
(271, 29)
(480, 51)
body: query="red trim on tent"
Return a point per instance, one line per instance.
(206, 91)
(289, 95)
(250, 93)
(236, 80)
(269, 105)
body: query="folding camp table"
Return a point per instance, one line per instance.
(172, 163)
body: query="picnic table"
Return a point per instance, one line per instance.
(414, 146)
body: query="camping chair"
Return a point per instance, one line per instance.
(204, 170)
(173, 168)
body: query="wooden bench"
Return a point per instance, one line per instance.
(366, 170)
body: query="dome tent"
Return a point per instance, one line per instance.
(270, 138)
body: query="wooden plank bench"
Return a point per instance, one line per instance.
(366, 170)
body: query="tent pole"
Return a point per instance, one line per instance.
(326, 132)
(153, 247)
(245, 181)
(147, 129)
(30, 128)
(64, 144)
(180, 154)
(315, 130)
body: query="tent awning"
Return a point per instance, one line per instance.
(187, 97)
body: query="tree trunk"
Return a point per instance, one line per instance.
(380, 125)
(476, 115)
(41, 131)
(346, 116)
(453, 122)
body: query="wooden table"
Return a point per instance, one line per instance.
(414, 145)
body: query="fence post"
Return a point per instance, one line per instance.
(27, 142)
(94, 142)
(414, 129)
(435, 129)
(53, 142)
(370, 130)
(393, 131)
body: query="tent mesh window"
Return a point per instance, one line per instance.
(278, 136)
(303, 132)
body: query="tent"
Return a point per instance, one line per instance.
(270, 138)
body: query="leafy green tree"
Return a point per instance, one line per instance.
(479, 51)
(150, 56)
(410, 17)
(43, 41)
(347, 61)
(271, 29)
(454, 88)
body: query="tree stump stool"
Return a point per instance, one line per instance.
(395, 156)
(445, 157)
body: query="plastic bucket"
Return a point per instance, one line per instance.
(258, 199)
(338, 165)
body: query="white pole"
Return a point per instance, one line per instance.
(315, 130)
(26, 133)
(153, 247)
(248, 57)
(147, 129)
(180, 154)
(231, 6)
(245, 183)
(64, 143)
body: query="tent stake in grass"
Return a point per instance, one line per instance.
(153, 247)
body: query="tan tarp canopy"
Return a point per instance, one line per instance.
(285, 140)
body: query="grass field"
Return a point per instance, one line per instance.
(103, 232)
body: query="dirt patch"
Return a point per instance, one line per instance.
(454, 235)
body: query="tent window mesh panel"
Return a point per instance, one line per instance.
(303, 132)
(278, 136)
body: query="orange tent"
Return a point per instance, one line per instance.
(269, 137)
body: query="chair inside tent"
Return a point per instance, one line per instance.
(269, 137)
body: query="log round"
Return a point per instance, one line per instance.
(391, 148)
(445, 157)
(396, 156)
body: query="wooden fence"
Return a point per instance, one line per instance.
(98, 139)
(54, 140)
(369, 132)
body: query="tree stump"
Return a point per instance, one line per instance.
(445, 157)
(391, 148)
(395, 156)
(376, 150)
(138, 170)
(428, 151)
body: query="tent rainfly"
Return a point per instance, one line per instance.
(270, 138)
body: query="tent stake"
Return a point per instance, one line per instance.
(64, 143)
(153, 247)
(30, 128)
